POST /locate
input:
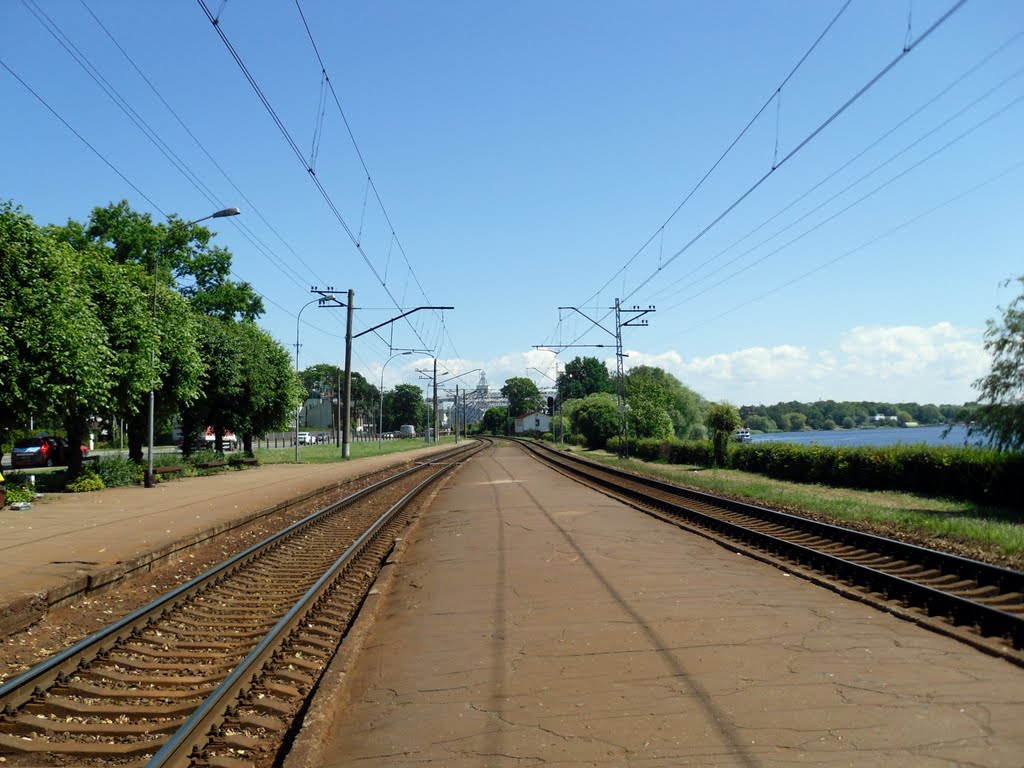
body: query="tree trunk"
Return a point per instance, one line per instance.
(137, 436)
(76, 430)
(247, 444)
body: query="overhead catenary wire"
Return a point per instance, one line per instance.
(1016, 166)
(106, 161)
(743, 132)
(362, 160)
(150, 133)
(667, 289)
(864, 177)
(792, 153)
(863, 197)
(332, 206)
(250, 205)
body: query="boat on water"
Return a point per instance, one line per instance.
(742, 435)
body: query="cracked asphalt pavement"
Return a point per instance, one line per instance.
(530, 621)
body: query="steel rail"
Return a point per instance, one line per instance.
(179, 750)
(990, 620)
(21, 688)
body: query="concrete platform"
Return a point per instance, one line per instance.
(70, 543)
(529, 621)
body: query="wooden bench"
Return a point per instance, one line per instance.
(211, 464)
(244, 461)
(168, 470)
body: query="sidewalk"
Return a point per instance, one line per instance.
(528, 620)
(70, 543)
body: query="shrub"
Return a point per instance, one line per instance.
(547, 437)
(89, 480)
(118, 472)
(975, 474)
(204, 455)
(18, 490)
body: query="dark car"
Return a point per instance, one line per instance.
(45, 451)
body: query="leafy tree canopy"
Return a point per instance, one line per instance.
(597, 419)
(723, 418)
(495, 421)
(523, 395)
(54, 352)
(1001, 415)
(185, 258)
(685, 408)
(583, 376)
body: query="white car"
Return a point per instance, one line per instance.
(305, 438)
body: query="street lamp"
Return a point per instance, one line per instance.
(380, 428)
(150, 479)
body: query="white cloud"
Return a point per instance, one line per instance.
(926, 364)
(888, 363)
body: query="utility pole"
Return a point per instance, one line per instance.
(346, 447)
(437, 422)
(635, 314)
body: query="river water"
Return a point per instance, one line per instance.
(930, 435)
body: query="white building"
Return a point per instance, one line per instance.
(534, 421)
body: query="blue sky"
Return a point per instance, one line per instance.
(530, 156)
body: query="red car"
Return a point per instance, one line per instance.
(46, 451)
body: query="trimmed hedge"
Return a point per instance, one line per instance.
(977, 474)
(974, 474)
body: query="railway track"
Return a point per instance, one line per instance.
(218, 671)
(975, 602)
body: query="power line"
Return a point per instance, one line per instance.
(145, 128)
(942, 92)
(803, 143)
(735, 141)
(218, 28)
(992, 179)
(250, 205)
(82, 139)
(395, 240)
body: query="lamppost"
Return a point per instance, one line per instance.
(380, 428)
(324, 298)
(150, 479)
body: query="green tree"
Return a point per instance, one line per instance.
(223, 385)
(684, 407)
(723, 419)
(1001, 401)
(54, 353)
(404, 405)
(583, 376)
(495, 421)
(321, 380)
(270, 390)
(796, 421)
(183, 261)
(596, 418)
(648, 408)
(523, 395)
(761, 423)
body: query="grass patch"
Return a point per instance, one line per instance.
(325, 454)
(992, 533)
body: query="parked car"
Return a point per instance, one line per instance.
(43, 451)
(305, 438)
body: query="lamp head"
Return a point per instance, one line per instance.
(225, 212)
